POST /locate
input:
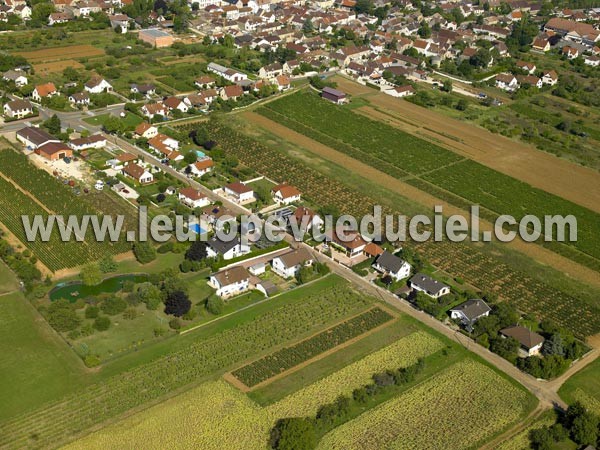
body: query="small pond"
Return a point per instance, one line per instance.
(75, 290)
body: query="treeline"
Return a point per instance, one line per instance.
(21, 263)
(577, 424)
(303, 433)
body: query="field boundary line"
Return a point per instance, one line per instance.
(244, 388)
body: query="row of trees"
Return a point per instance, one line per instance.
(577, 424)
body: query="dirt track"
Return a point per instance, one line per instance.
(542, 170)
(534, 251)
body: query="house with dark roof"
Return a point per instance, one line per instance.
(391, 265)
(17, 109)
(33, 137)
(333, 95)
(424, 283)
(226, 249)
(289, 264)
(138, 173)
(470, 311)
(529, 341)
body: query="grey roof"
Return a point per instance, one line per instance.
(427, 283)
(295, 257)
(473, 309)
(269, 287)
(14, 74)
(36, 135)
(527, 338)
(155, 32)
(222, 247)
(390, 262)
(335, 92)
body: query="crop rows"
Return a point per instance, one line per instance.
(402, 353)
(81, 410)
(460, 407)
(56, 198)
(288, 357)
(464, 260)
(396, 153)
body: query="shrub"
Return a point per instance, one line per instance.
(91, 361)
(177, 303)
(175, 324)
(62, 316)
(92, 312)
(113, 305)
(215, 305)
(144, 252)
(102, 323)
(130, 314)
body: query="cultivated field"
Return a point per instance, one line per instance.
(459, 408)
(61, 53)
(484, 270)
(186, 360)
(584, 387)
(416, 161)
(47, 68)
(523, 162)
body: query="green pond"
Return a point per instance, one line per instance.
(75, 290)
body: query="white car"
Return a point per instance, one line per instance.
(99, 185)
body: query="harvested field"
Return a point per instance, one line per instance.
(61, 53)
(56, 66)
(523, 162)
(534, 251)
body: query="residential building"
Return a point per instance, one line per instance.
(391, 265)
(530, 343)
(16, 76)
(470, 311)
(226, 249)
(285, 194)
(193, 198)
(138, 173)
(17, 109)
(94, 141)
(42, 91)
(424, 283)
(289, 264)
(97, 85)
(146, 131)
(230, 282)
(200, 168)
(239, 192)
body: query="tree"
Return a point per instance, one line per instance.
(149, 294)
(113, 305)
(505, 347)
(91, 312)
(197, 251)
(107, 264)
(144, 252)
(308, 27)
(447, 87)
(53, 125)
(215, 305)
(363, 6)
(177, 303)
(554, 345)
(62, 316)
(190, 157)
(295, 433)
(102, 323)
(584, 430)
(424, 31)
(91, 275)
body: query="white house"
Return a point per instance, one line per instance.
(285, 194)
(239, 192)
(16, 76)
(176, 103)
(290, 263)
(550, 77)
(530, 343)
(470, 311)
(138, 173)
(226, 249)
(193, 198)
(42, 91)
(424, 283)
(146, 131)
(506, 81)
(229, 74)
(400, 91)
(17, 109)
(593, 61)
(95, 141)
(97, 85)
(202, 167)
(391, 265)
(230, 282)
(34, 137)
(305, 219)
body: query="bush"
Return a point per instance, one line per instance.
(144, 252)
(102, 323)
(165, 248)
(91, 361)
(130, 314)
(215, 305)
(62, 316)
(175, 324)
(113, 306)
(177, 303)
(92, 312)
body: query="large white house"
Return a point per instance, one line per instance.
(391, 265)
(227, 73)
(239, 192)
(230, 282)
(470, 311)
(97, 86)
(193, 198)
(17, 109)
(289, 264)
(284, 194)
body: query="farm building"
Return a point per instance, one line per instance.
(333, 95)
(157, 38)
(95, 141)
(54, 151)
(33, 137)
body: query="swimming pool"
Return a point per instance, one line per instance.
(196, 228)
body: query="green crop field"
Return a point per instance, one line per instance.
(403, 155)
(487, 271)
(55, 198)
(186, 360)
(584, 387)
(37, 362)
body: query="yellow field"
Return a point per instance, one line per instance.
(56, 66)
(463, 405)
(60, 53)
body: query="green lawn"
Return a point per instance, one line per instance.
(8, 282)
(584, 386)
(130, 120)
(36, 365)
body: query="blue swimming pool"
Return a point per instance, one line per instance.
(196, 228)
